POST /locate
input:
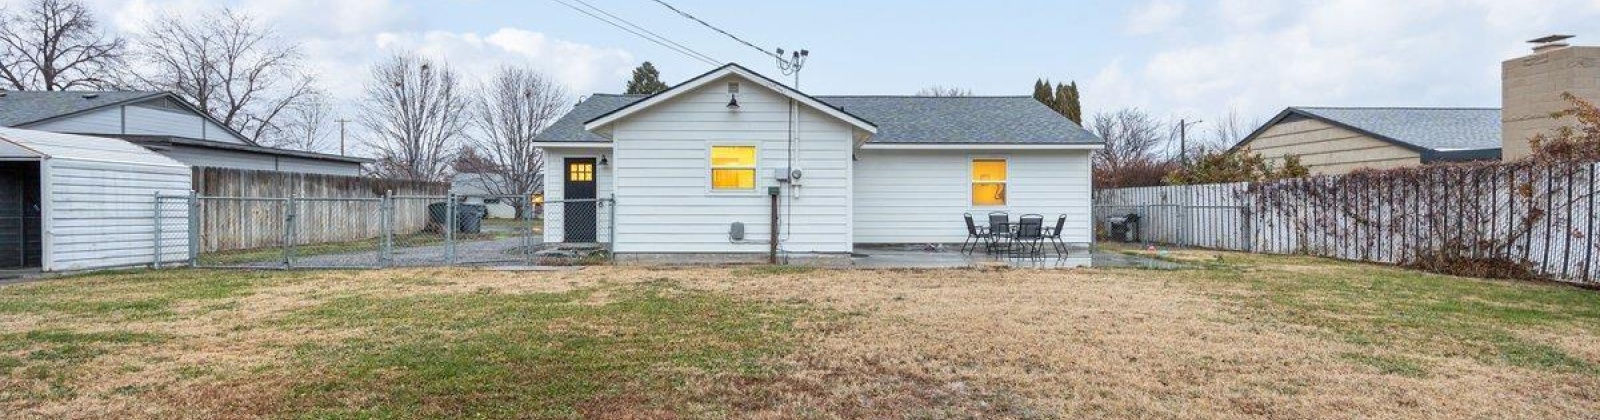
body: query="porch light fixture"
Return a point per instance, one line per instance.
(733, 102)
(603, 161)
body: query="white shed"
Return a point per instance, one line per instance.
(70, 202)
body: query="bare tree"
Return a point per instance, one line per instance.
(416, 117)
(232, 67)
(1130, 157)
(57, 45)
(306, 125)
(942, 91)
(511, 109)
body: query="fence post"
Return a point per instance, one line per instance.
(194, 228)
(450, 226)
(288, 231)
(611, 234)
(156, 257)
(386, 212)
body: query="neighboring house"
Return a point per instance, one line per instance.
(686, 164)
(1531, 88)
(475, 187)
(1338, 140)
(164, 123)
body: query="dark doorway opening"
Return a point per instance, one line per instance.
(578, 201)
(20, 231)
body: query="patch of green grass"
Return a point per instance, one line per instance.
(129, 295)
(71, 346)
(533, 355)
(370, 245)
(1375, 305)
(1388, 365)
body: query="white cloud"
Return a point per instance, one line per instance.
(1260, 56)
(1155, 16)
(583, 68)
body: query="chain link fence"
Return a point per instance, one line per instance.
(388, 231)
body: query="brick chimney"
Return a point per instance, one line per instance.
(1531, 88)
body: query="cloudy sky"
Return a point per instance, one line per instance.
(1174, 58)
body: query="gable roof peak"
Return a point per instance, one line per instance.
(715, 74)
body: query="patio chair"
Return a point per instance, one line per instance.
(1054, 235)
(976, 235)
(999, 230)
(1029, 236)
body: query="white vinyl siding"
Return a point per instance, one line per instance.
(554, 189)
(102, 214)
(662, 174)
(104, 121)
(906, 196)
(137, 119)
(98, 201)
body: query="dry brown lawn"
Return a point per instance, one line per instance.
(1238, 336)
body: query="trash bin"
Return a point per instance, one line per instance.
(436, 214)
(469, 217)
(1124, 228)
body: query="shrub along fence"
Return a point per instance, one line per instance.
(1529, 219)
(245, 209)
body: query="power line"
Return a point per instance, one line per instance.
(658, 36)
(719, 30)
(668, 44)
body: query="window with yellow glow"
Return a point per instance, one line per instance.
(580, 171)
(733, 167)
(988, 182)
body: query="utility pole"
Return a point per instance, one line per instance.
(1183, 140)
(341, 122)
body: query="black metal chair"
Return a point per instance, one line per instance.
(1028, 239)
(999, 230)
(1054, 235)
(975, 235)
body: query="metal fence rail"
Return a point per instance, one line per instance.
(387, 231)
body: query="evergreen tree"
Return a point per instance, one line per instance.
(1063, 99)
(1041, 92)
(646, 80)
(1067, 102)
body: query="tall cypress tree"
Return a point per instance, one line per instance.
(1068, 103)
(646, 80)
(1062, 98)
(1042, 93)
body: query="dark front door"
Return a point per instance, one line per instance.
(578, 205)
(19, 215)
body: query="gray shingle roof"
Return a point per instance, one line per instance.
(1436, 129)
(900, 120)
(18, 108)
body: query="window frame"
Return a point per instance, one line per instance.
(972, 182)
(711, 189)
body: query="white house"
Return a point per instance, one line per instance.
(687, 164)
(164, 123)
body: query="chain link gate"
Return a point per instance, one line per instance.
(377, 232)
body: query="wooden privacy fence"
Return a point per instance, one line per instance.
(247, 209)
(1516, 220)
